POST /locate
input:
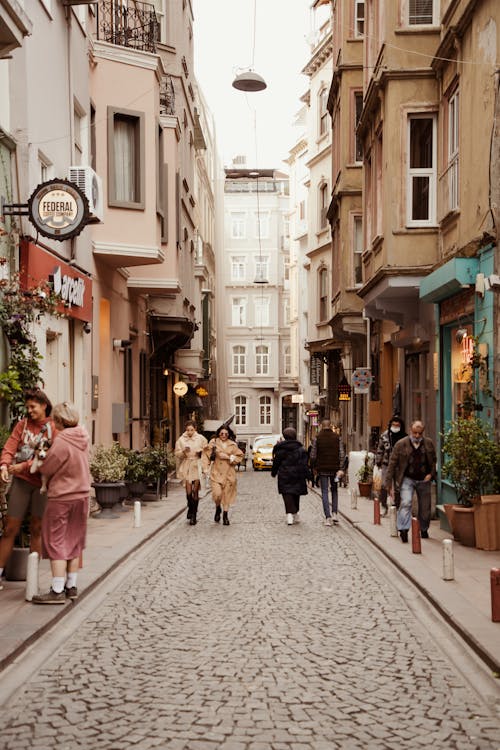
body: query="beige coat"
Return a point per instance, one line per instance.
(223, 472)
(189, 467)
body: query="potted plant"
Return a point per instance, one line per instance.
(365, 475)
(108, 465)
(136, 474)
(156, 463)
(472, 465)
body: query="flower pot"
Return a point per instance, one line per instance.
(365, 489)
(487, 522)
(17, 564)
(108, 494)
(136, 490)
(463, 526)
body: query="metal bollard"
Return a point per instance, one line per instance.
(393, 520)
(416, 547)
(376, 512)
(137, 514)
(31, 576)
(448, 564)
(495, 594)
(354, 499)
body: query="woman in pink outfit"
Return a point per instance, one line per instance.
(64, 525)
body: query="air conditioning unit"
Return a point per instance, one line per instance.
(91, 185)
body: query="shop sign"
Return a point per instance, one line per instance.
(74, 288)
(362, 379)
(58, 209)
(180, 388)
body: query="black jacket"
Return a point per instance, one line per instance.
(290, 464)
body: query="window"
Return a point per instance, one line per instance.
(261, 307)
(323, 111)
(421, 12)
(452, 168)
(159, 6)
(357, 250)
(302, 210)
(240, 410)
(358, 108)
(80, 132)
(265, 410)
(287, 360)
(261, 220)
(126, 158)
(359, 18)
(286, 311)
(238, 268)
(46, 170)
(238, 225)
(262, 268)
(323, 293)
(239, 360)
(262, 360)
(239, 311)
(421, 170)
(323, 205)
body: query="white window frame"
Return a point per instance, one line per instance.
(262, 359)
(323, 111)
(238, 268)
(287, 360)
(435, 13)
(323, 274)
(238, 311)
(359, 18)
(264, 219)
(261, 307)
(239, 360)
(357, 249)
(265, 410)
(453, 148)
(262, 267)
(323, 203)
(240, 410)
(238, 225)
(429, 173)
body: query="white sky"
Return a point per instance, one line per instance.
(223, 42)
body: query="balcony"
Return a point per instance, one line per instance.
(128, 23)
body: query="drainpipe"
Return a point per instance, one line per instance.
(368, 334)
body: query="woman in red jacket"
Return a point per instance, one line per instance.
(15, 462)
(64, 525)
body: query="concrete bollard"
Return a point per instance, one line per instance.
(393, 520)
(495, 594)
(32, 577)
(448, 563)
(354, 499)
(137, 514)
(376, 512)
(416, 546)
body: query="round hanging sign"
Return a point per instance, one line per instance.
(180, 388)
(58, 209)
(362, 378)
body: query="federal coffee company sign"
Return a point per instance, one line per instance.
(58, 209)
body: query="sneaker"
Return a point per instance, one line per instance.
(328, 521)
(289, 518)
(71, 592)
(50, 598)
(296, 518)
(335, 519)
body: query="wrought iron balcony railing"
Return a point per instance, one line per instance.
(128, 23)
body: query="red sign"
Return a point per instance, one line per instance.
(38, 266)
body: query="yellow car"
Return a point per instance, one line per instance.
(262, 453)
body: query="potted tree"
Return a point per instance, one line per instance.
(136, 475)
(365, 475)
(472, 465)
(108, 465)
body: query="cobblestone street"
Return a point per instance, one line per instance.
(257, 636)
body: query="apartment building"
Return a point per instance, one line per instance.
(254, 301)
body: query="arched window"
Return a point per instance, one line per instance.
(239, 360)
(265, 410)
(262, 360)
(240, 410)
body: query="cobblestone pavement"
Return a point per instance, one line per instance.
(256, 636)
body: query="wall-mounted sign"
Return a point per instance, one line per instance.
(180, 388)
(58, 209)
(361, 380)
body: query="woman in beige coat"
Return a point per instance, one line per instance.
(188, 452)
(224, 454)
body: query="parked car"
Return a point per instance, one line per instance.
(262, 451)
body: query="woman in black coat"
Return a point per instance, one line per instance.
(290, 463)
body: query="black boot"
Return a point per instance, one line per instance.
(217, 513)
(189, 508)
(225, 519)
(194, 511)
(404, 535)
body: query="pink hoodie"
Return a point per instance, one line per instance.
(67, 465)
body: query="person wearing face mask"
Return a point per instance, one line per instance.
(224, 454)
(412, 467)
(395, 431)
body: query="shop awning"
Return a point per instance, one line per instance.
(457, 274)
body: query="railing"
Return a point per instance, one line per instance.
(128, 23)
(167, 96)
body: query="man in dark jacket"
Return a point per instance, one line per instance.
(290, 464)
(412, 466)
(328, 458)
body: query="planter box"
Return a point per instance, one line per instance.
(487, 523)
(461, 521)
(17, 564)
(365, 489)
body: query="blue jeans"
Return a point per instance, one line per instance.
(325, 479)
(423, 490)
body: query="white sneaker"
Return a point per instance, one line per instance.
(335, 519)
(296, 518)
(289, 518)
(328, 521)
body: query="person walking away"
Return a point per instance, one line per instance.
(395, 431)
(290, 465)
(64, 524)
(15, 462)
(224, 454)
(188, 452)
(412, 467)
(328, 458)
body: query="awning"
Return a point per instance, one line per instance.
(457, 274)
(170, 333)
